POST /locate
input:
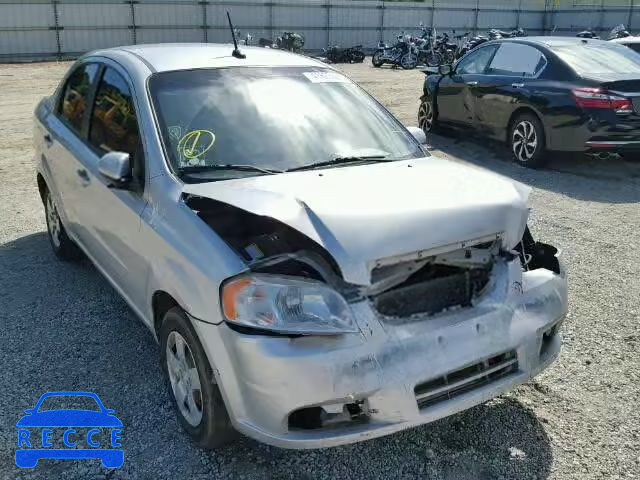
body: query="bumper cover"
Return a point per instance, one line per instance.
(264, 379)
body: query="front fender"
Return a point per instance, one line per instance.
(430, 87)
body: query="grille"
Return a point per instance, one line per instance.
(431, 290)
(466, 379)
(636, 103)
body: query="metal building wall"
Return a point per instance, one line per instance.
(31, 29)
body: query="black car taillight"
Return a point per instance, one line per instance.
(598, 98)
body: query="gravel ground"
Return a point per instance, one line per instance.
(63, 327)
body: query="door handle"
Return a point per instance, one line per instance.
(472, 84)
(84, 175)
(48, 140)
(517, 85)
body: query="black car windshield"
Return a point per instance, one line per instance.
(599, 58)
(271, 118)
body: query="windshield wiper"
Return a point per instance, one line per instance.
(230, 166)
(342, 160)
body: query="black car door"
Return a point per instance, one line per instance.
(456, 97)
(510, 79)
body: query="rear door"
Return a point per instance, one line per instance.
(511, 79)
(63, 139)
(456, 95)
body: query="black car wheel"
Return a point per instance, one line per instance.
(196, 396)
(426, 115)
(62, 245)
(527, 141)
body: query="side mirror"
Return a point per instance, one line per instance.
(445, 70)
(115, 166)
(418, 134)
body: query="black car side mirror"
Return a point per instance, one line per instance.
(445, 70)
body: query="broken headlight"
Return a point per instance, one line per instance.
(286, 305)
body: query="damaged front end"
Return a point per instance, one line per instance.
(431, 333)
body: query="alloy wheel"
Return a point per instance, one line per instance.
(53, 221)
(524, 141)
(184, 378)
(425, 116)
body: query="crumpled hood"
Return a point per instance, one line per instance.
(365, 213)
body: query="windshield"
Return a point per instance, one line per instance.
(599, 58)
(271, 118)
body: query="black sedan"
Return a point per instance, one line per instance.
(541, 94)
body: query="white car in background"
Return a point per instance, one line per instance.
(632, 42)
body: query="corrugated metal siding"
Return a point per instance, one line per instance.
(57, 28)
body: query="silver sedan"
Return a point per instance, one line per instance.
(313, 276)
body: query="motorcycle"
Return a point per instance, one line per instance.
(404, 53)
(291, 41)
(493, 34)
(247, 38)
(619, 31)
(337, 54)
(425, 45)
(470, 44)
(445, 48)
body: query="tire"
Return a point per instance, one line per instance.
(527, 141)
(63, 247)
(409, 61)
(433, 59)
(427, 116)
(200, 406)
(376, 61)
(357, 57)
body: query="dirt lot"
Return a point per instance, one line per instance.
(63, 327)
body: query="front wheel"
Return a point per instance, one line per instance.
(527, 141)
(196, 396)
(426, 116)
(376, 60)
(409, 61)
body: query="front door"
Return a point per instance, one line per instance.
(456, 95)
(510, 77)
(112, 215)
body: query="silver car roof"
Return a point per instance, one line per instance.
(164, 57)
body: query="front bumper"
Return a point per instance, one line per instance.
(264, 379)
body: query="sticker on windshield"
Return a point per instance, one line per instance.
(325, 77)
(175, 132)
(194, 144)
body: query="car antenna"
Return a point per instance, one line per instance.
(236, 53)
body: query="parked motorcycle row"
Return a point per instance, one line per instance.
(433, 49)
(291, 41)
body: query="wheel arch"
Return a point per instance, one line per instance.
(42, 186)
(161, 303)
(519, 111)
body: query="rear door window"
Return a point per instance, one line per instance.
(517, 59)
(73, 104)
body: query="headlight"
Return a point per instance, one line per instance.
(286, 305)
